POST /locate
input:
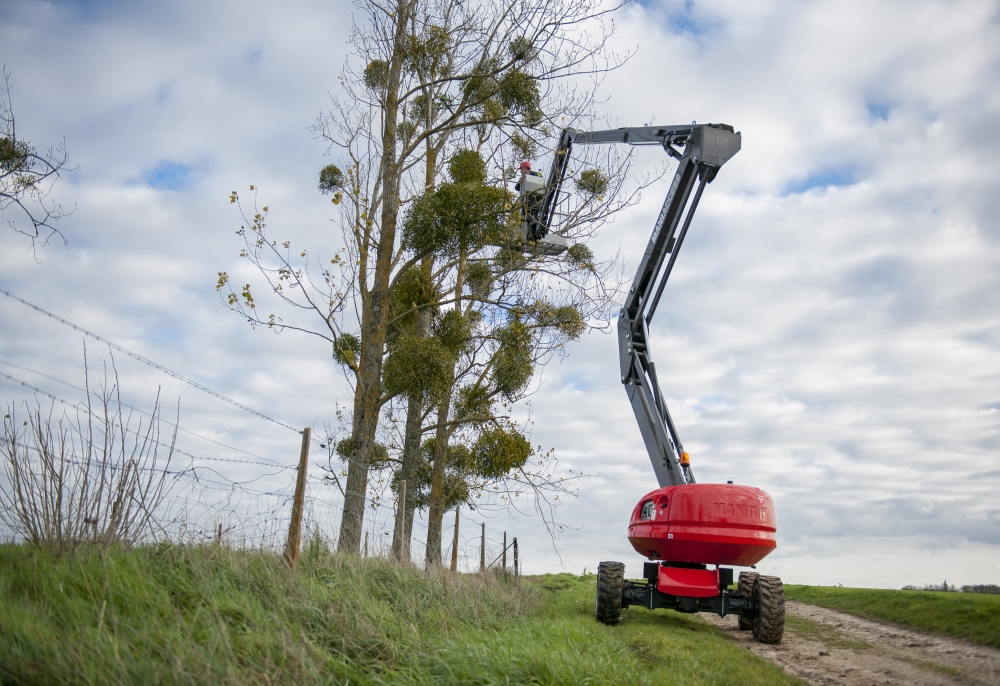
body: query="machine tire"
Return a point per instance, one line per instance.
(747, 580)
(769, 622)
(610, 580)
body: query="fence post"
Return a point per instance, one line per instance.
(454, 545)
(482, 551)
(504, 563)
(218, 535)
(366, 544)
(399, 534)
(516, 573)
(295, 526)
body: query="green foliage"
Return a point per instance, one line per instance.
(456, 483)
(521, 49)
(330, 179)
(14, 155)
(418, 365)
(406, 130)
(346, 349)
(214, 615)
(581, 256)
(968, 616)
(518, 92)
(510, 260)
(479, 278)
(457, 214)
(566, 319)
(523, 146)
(428, 54)
(346, 446)
(498, 451)
(454, 331)
(413, 290)
(515, 93)
(512, 362)
(473, 401)
(376, 75)
(593, 182)
(467, 166)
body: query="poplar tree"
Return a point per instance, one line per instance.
(426, 78)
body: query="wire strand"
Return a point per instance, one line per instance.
(147, 361)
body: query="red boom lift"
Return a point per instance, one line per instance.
(687, 530)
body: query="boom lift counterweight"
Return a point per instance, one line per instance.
(684, 526)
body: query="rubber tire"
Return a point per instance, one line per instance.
(747, 580)
(610, 580)
(769, 624)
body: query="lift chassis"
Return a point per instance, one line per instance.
(683, 526)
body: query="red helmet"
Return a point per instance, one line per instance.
(526, 167)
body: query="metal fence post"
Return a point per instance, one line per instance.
(516, 572)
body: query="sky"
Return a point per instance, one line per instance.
(831, 332)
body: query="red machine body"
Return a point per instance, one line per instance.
(718, 524)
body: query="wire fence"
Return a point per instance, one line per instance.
(246, 501)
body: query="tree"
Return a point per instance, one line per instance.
(27, 176)
(425, 77)
(503, 319)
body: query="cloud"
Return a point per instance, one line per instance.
(830, 332)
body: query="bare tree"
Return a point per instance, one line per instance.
(91, 477)
(27, 177)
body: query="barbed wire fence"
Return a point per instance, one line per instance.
(247, 501)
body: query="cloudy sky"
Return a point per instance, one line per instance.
(832, 329)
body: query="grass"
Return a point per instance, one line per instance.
(971, 616)
(207, 615)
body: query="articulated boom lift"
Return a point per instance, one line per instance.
(682, 526)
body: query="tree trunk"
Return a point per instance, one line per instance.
(375, 309)
(435, 517)
(407, 472)
(414, 401)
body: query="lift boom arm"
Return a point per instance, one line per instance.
(701, 150)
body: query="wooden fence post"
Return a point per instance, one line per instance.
(397, 540)
(516, 573)
(482, 551)
(295, 526)
(504, 563)
(366, 544)
(454, 545)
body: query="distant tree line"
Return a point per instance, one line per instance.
(974, 588)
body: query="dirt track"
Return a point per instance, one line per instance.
(827, 647)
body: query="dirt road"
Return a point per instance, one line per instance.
(827, 647)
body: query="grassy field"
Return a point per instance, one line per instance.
(211, 615)
(972, 616)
